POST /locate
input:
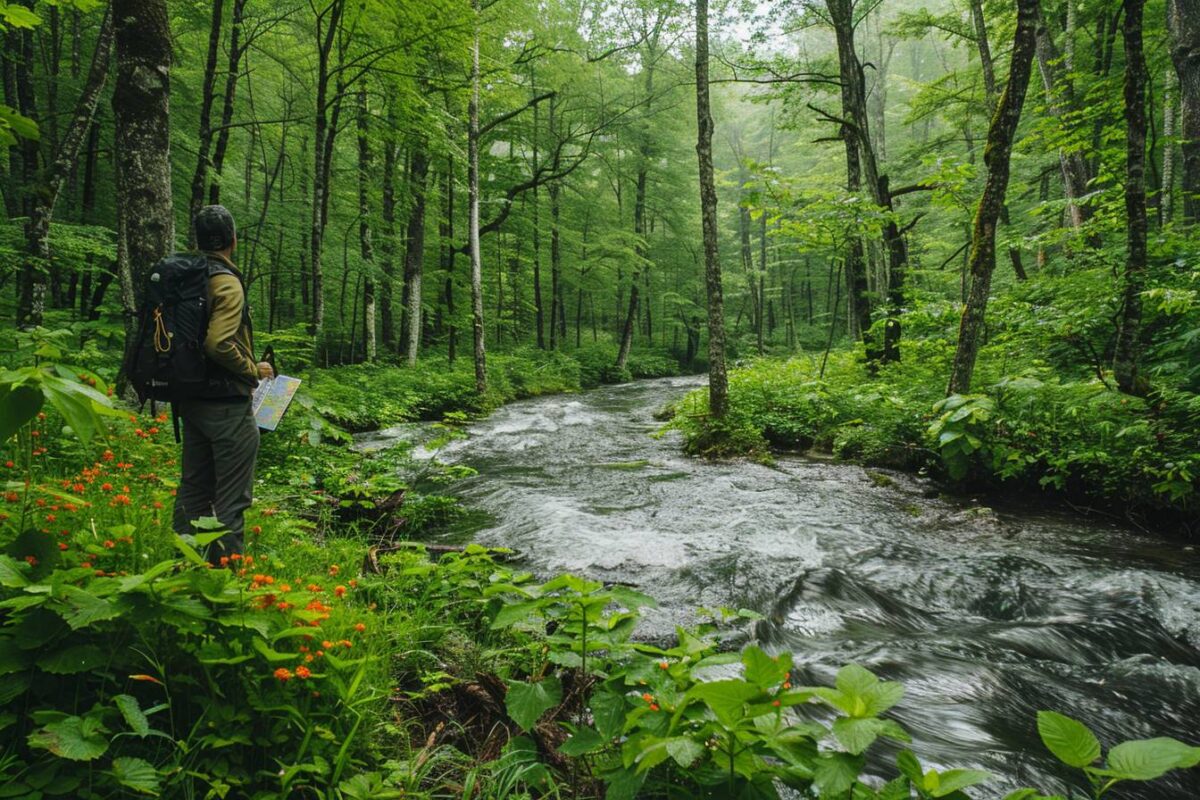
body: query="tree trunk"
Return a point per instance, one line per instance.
(1060, 96)
(1125, 357)
(649, 58)
(447, 234)
(414, 257)
(236, 50)
(1183, 23)
(141, 108)
(327, 28)
(985, 54)
(996, 156)
(1166, 204)
(31, 304)
(366, 249)
(473, 213)
(388, 248)
(718, 387)
(200, 176)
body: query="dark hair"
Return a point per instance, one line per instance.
(214, 228)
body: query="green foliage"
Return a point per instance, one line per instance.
(1075, 745)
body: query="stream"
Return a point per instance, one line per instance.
(985, 615)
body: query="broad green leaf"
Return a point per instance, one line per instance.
(512, 613)
(764, 670)
(12, 576)
(608, 712)
(856, 734)
(81, 608)
(131, 710)
(71, 738)
(726, 698)
(835, 773)
(623, 784)
(526, 702)
(72, 660)
(136, 774)
(18, 405)
(582, 741)
(954, 780)
(1069, 740)
(1147, 759)
(684, 750)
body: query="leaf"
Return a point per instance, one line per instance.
(582, 741)
(137, 774)
(623, 784)
(953, 780)
(512, 613)
(1147, 759)
(131, 710)
(1069, 740)
(608, 713)
(18, 16)
(18, 406)
(81, 608)
(71, 738)
(631, 598)
(73, 660)
(11, 574)
(856, 734)
(727, 698)
(835, 773)
(526, 702)
(684, 750)
(764, 670)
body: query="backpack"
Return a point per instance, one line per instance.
(166, 362)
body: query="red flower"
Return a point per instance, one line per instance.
(62, 545)
(339, 591)
(106, 487)
(358, 626)
(303, 673)
(334, 569)
(150, 678)
(110, 544)
(283, 675)
(257, 529)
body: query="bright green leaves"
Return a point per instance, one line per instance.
(24, 391)
(136, 774)
(1140, 760)
(932, 783)
(18, 405)
(71, 737)
(1147, 759)
(526, 702)
(1069, 740)
(726, 699)
(958, 430)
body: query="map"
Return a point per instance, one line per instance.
(272, 398)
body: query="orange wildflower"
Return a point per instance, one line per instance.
(283, 675)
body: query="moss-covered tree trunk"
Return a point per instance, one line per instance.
(1183, 23)
(718, 383)
(141, 108)
(414, 256)
(996, 155)
(1125, 357)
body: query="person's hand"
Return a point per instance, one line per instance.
(265, 370)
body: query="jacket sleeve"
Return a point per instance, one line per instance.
(221, 344)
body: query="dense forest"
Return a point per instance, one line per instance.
(953, 238)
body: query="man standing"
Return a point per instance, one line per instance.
(220, 436)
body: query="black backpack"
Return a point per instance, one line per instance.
(166, 362)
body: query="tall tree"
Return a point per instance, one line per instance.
(414, 257)
(473, 212)
(325, 125)
(200, 176)
(718, 383)
(141, 109)
(1127, 351)
(996, 155)
(366, 248)
(1183, 24)
(31, 304)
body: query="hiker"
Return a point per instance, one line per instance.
(220, 436)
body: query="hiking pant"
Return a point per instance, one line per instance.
(220, 445)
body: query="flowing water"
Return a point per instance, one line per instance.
(985, 616)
